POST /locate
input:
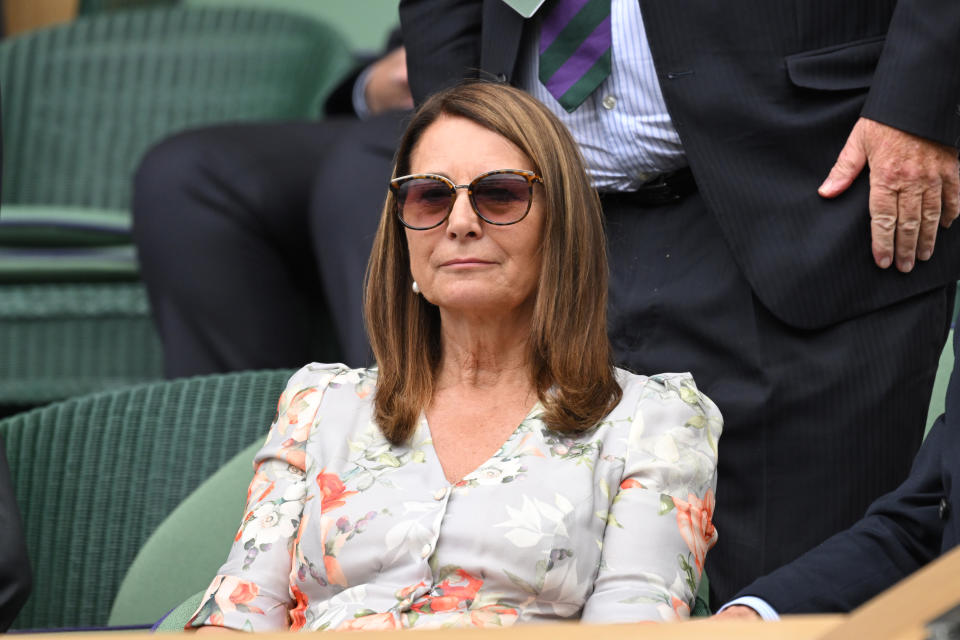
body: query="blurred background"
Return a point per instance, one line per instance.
(88, 86)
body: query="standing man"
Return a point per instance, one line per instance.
(778, 177)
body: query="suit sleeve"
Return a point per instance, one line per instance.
(15, 578)
(340, 100)
(901, 532)
(916, 86)
(442, 38)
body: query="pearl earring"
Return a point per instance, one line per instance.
(416, 287)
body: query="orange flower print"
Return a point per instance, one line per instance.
(260, 487)
(673, 609)
(680, 608)
(453, 593)
(494, 615)
(630, 483)
(330, 548)
(332, 490)
(293, 455)
(372, 622)
(244, 593)
(291, 412)
(695, 522)
(298, 616)
(233, 594)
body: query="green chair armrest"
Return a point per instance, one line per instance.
(179, 617)
(183, 553)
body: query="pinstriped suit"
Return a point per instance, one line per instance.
(821, 362)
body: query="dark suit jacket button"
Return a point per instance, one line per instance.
(944, 508)
(501, 77)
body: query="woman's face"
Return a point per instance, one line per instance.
(465, 264)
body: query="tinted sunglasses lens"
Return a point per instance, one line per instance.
(502, 197)
(423, 202)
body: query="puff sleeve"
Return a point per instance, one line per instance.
(252, 589)
(659, 526)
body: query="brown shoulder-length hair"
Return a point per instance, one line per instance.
(570, 356)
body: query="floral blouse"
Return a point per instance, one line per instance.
(345, 531)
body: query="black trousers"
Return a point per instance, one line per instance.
(253, 241)
(817, 423)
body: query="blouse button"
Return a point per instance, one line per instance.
(425, 551)
(609, 102)
(440, 494)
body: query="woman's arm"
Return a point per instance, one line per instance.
(251, 590)
(660, 528)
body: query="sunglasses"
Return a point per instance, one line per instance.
(499, 197)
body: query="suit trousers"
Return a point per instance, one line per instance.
(253, 241)
(817, 423)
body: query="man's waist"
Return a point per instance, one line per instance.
(657, 190)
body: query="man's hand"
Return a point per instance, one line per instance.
(914, 186)
(387, 88)
(738, 612)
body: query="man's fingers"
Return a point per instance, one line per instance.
(951, 200)
(909, 204)
(848, 166)
(883, 224)
(929, 222)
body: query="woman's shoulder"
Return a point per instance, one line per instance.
(323, 375)
(667, 399)
(662, 386)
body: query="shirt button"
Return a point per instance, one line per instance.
(440, 494)
(609, 102)
(426, 551)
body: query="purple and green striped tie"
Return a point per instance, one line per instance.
(574, 49)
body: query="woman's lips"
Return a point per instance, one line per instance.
(466, 262)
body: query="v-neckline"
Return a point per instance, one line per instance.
(425, 425)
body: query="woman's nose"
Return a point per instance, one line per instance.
(463, 220)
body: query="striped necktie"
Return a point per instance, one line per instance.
(575, 49)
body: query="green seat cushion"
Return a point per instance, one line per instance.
(63, 226)
(179, 617)
(939, 396)
(185, 551)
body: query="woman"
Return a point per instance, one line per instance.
(496, 467)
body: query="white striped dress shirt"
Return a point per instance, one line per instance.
(623, 128)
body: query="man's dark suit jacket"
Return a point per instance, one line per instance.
(901, 531)
(764, 94)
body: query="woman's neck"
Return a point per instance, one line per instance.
(485, 353)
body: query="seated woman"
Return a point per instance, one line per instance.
(495, 467)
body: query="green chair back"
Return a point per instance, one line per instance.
(95, 475)
(83, 101)
(184, 552)
(365, 24)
